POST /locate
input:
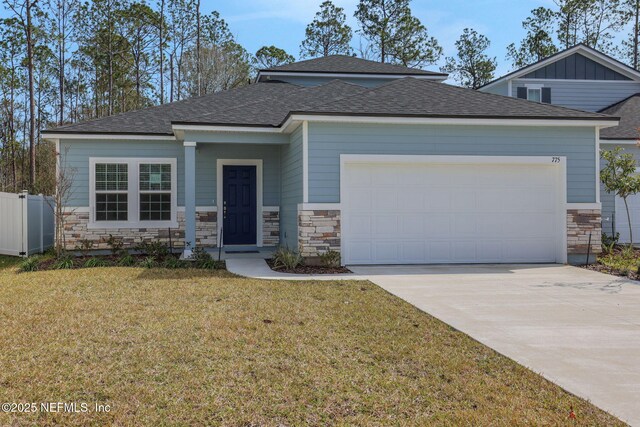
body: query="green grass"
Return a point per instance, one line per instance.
(9, 261)
(188, 347)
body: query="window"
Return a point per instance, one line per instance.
(534, 94)
(155, 192)
(132, 192)
(111, 184)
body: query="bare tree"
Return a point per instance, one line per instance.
(65, 176)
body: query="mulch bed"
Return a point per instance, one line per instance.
(614, 272)
(310, 269)
(630, 273)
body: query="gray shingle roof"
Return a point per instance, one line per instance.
(269, 104)
(629, 112)
(349, 65)
(424, 98)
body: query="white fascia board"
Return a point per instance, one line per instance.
(456, 121)
(589, 53)
(137, 137)
(619, 141)
(216, 128)
(349, 75)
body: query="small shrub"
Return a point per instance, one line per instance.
(115, 244)
(172, 263)
(149, 262)
(126, 260)
(287, 259)
(65, 262)
(609, 242)
(95, 262)
(85, 247)
(330, 258)
(157, 250)
(628, 252)
(202, 258)
(30, 264)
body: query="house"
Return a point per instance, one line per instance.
(386, 164)
(585, 79)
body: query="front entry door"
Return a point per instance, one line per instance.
(239, 205)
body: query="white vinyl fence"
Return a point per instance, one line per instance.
(27, 224)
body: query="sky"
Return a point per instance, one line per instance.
(256, 23)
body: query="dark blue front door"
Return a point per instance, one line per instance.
(239, 205)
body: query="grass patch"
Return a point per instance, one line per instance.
(9, 261)
(195, 347)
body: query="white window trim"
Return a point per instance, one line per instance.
(133, 173)
(259, 190)
(531, 87)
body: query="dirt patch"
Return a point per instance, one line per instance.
(310, 269)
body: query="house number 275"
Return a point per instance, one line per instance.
(555, 160)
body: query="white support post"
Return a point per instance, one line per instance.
(189, 197)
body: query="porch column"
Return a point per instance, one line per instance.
(189, 197)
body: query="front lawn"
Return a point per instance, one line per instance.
(193, 347)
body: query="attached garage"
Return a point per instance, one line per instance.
(452, 209)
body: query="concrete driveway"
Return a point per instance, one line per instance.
(578, 328)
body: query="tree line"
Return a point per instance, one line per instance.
(64, 61)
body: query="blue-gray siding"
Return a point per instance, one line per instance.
(608, 199)
(81, 150)
(581, 95)
(291, 189)
(328, 141)
(501, 88)
(577, 67)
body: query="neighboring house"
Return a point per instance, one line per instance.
(585, 79)
(383, 163)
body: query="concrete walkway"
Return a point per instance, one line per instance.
(578, 328)
(258, 269)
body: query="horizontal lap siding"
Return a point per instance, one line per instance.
(81, 150)
(608, 199)
(328, 141)
(206, 159)
(581, 95)
(291, 158)
(501, 88)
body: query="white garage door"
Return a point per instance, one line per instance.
(414, 213)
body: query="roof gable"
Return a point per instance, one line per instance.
(576, 67)
(579, 62)
(343, 64)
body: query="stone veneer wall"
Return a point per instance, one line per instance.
(76, 230)
(581, 222)
(318, 232)
(270, 228)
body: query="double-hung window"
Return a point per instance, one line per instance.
(534, 94)
(112, 192)
(155, 191)
(133, 192)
